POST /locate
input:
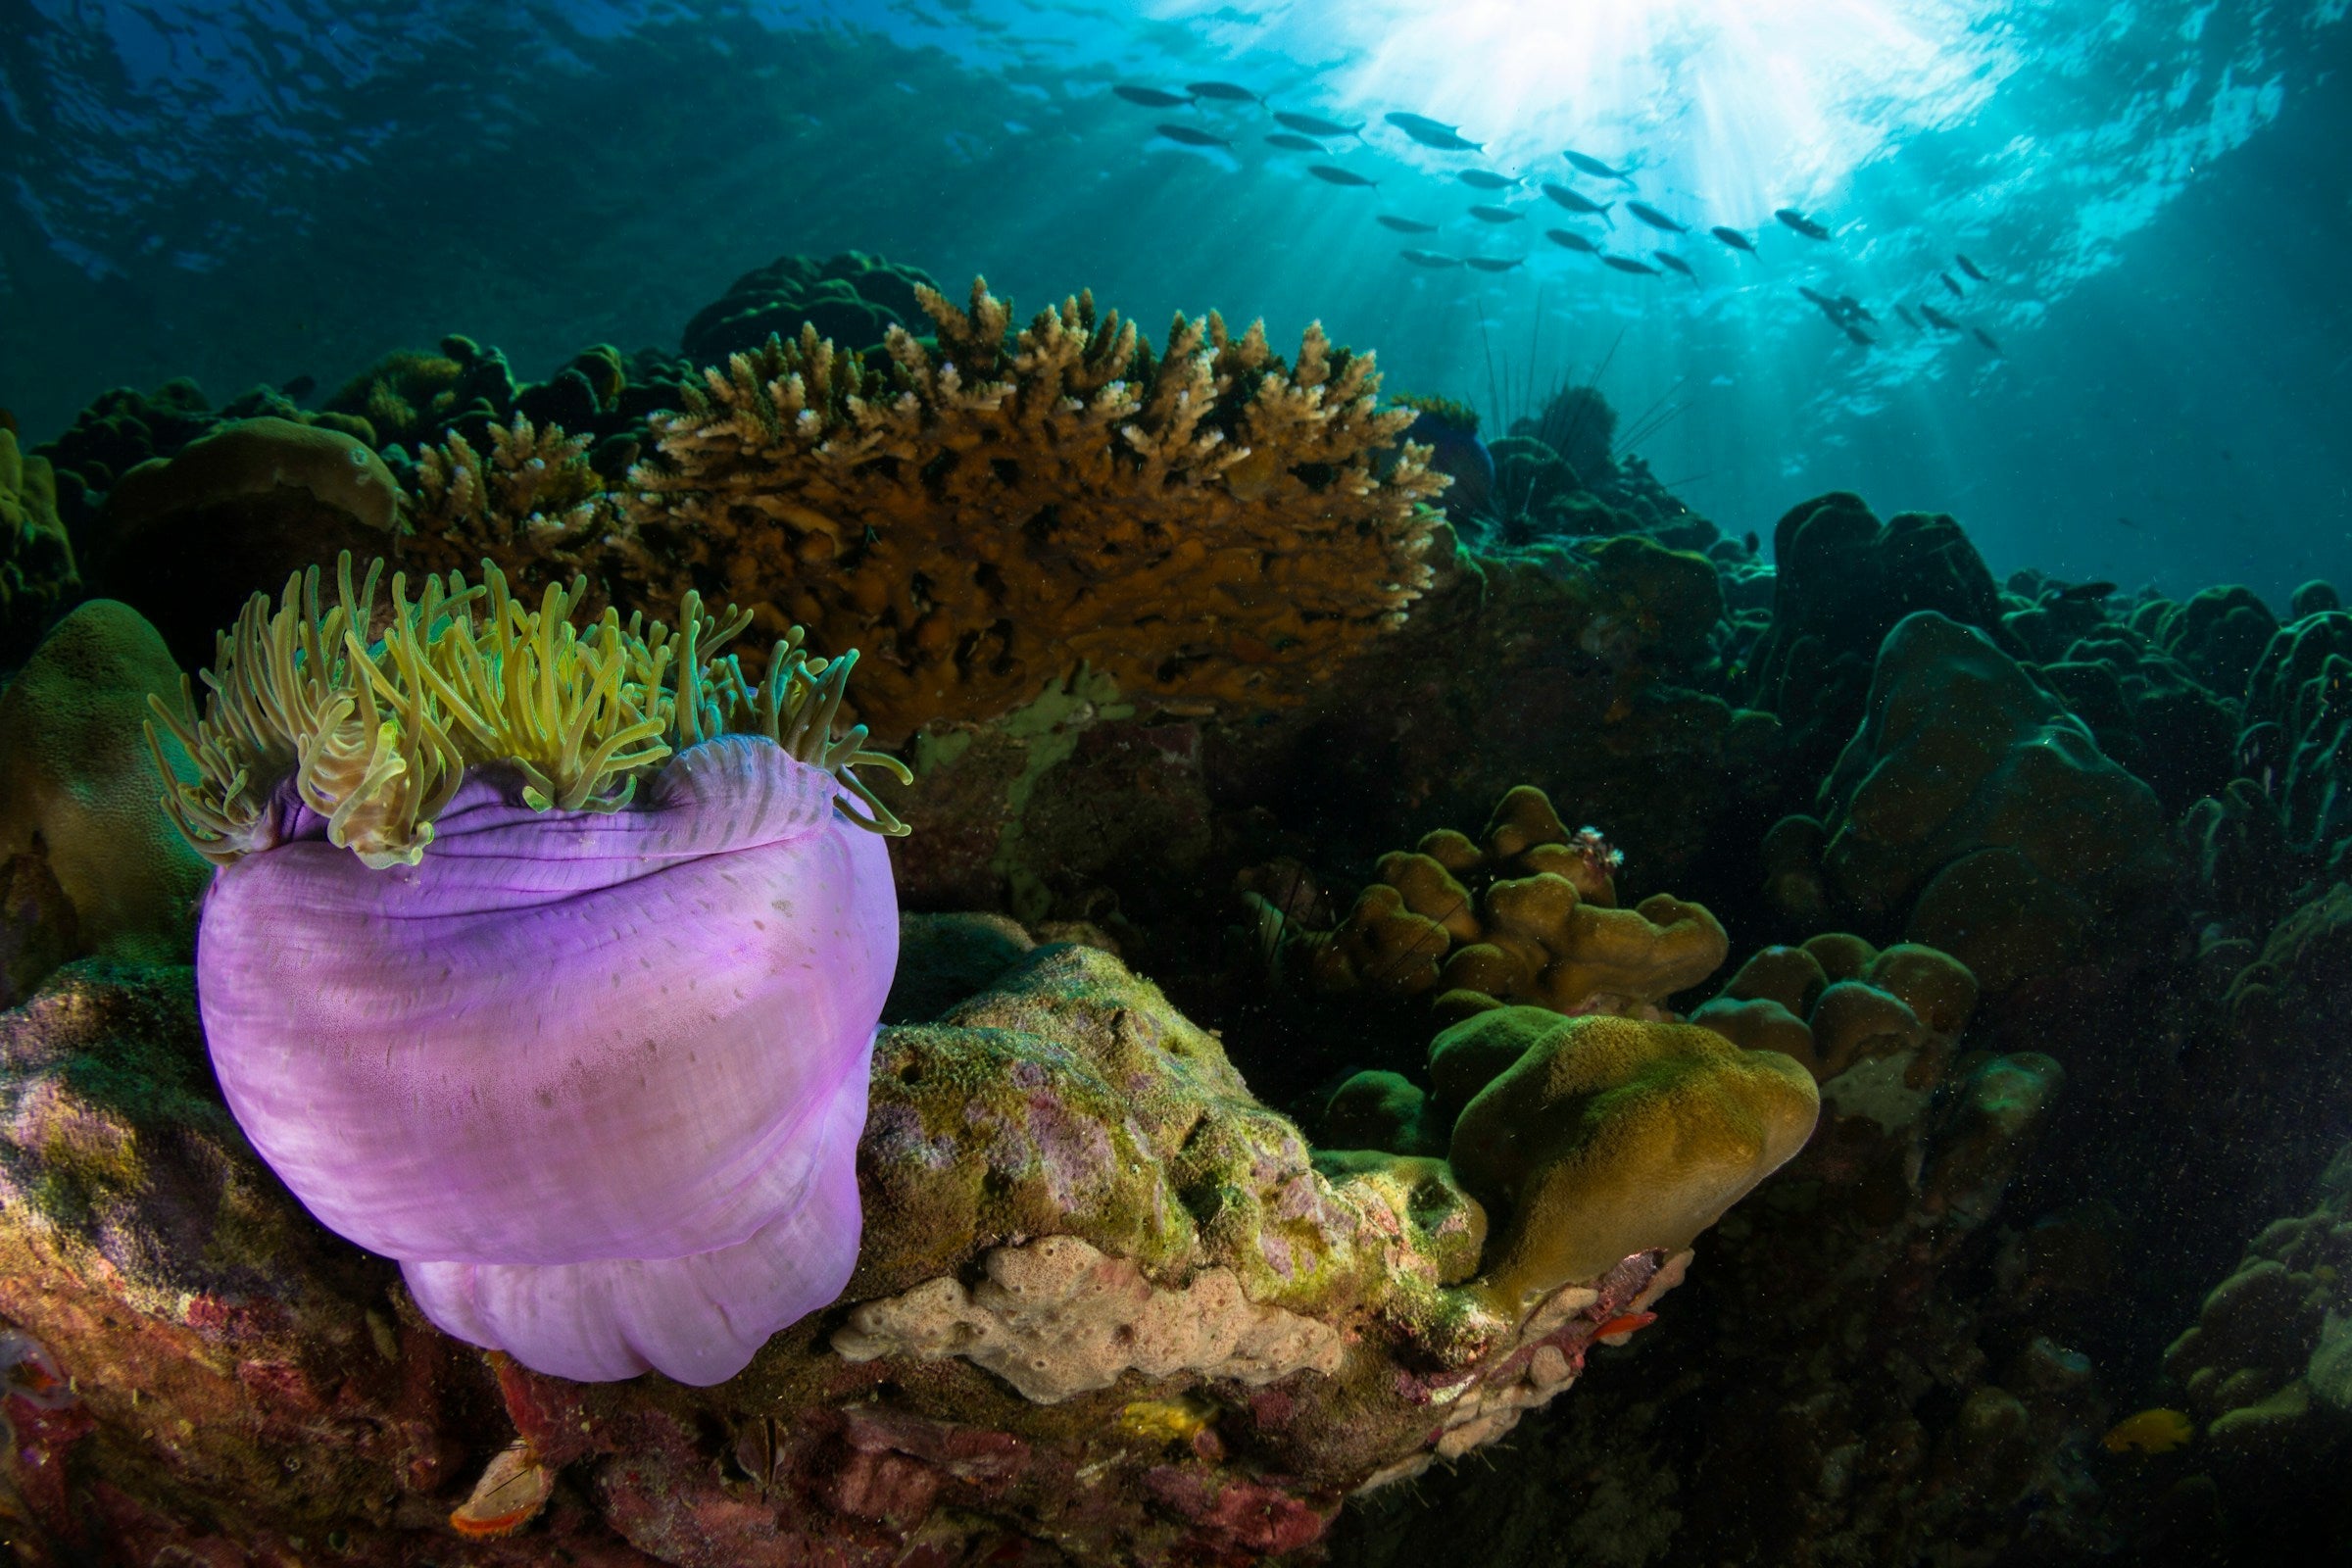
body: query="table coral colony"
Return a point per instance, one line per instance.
(589, 1060)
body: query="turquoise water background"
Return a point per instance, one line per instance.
(2159, 193)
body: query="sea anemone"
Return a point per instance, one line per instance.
(546, 958)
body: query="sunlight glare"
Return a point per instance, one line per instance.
(1744, 105)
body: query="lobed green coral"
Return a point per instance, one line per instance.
(1604, 1137)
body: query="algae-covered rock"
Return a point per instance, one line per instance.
(1107, 1297)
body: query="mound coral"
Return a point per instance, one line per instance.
(1842, 582)
(1449, 430)
(2148, 712)
(37, 574)
(77, 797)
(1970, 812)
(853, 298)
(186, 539)
(1209, 523)
(617, 1128)
(2268, 1364)
(2299, 729)
(1836, 1003)
(2217, 632)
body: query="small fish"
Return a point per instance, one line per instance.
(2126, 522)
(2085, 592)
(1297, 144)
(1572, 240)
(1624, 1323)
(1405, 226)
(1577, 202)
(2157, 1430)
(1430, 259)
(1486, 179)
(1150, 97)
(1800, 223)
(1492, 264)
(1654, 218)
(1314, 124)
(1937, 319)
(1958, 292)
(1627, 264)
(1331, 174)
(1664, 259)
(1970, 267)
(1223, 91)
(1734, 238)
(1432, 133)
(1857, 335)
(1594, 167)
(1176, 1420)
(1495, 215)
(1191, 136)
(1986, 339)
(1909, 321)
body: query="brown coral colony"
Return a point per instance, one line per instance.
(981, 514)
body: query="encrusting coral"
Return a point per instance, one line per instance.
(617, 1129)
(1209, 523)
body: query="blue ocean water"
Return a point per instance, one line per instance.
(2155, 192)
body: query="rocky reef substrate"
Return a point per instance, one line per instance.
(1232, 1173)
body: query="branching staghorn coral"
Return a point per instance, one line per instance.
(1209, 523)
(376, 735)
(533, 502)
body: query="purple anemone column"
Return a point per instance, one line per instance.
(596, 1079)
